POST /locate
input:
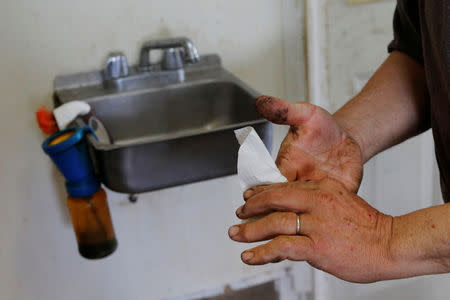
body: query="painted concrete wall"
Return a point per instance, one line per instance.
(172, 241)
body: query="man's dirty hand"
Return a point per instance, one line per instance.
(315, 146)
(339, 233)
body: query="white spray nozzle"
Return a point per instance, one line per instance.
(66, 113)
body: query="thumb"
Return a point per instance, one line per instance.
(286, 163)
(281, 111)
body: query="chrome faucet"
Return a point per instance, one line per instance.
(116, 66)
(177, 52)
(171, 57)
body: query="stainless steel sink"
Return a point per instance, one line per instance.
(165, 132)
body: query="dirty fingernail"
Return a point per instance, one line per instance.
(247, 255)
(240, 211)
(233, 230)
(248, 193)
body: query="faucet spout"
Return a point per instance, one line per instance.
(190, 51)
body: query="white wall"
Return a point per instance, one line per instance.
(172, 241)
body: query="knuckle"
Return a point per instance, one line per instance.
(286, 246)
(253, 191)
(276, 220)
(285, 243)
(244, 233)
(326, 197)
(285, 219)
(273, 198)
(259, 189)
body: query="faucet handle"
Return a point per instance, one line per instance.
(172, 59)
(116, 66)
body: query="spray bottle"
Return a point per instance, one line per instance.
(87, 201)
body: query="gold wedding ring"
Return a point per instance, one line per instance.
(298, 225)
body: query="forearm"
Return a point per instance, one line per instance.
(392, 107)
(420, 243)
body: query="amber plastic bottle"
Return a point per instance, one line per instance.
(92, 225)
(87, 201)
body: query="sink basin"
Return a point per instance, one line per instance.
(174, 112)
(164, 135)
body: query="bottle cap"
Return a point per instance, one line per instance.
(68, 150)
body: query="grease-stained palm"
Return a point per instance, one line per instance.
(316, 146)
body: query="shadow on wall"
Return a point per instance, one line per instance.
(59, 186)
(164, 33)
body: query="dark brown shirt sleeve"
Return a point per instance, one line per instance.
(407, 34)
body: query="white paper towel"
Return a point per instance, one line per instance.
(255, 165)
